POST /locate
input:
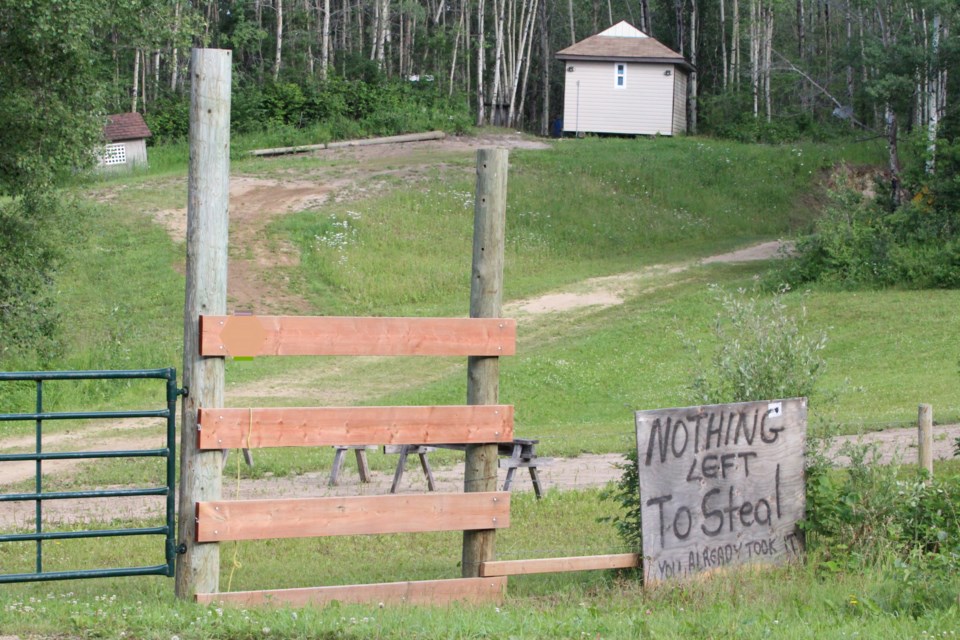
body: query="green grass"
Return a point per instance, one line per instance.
(793, 602)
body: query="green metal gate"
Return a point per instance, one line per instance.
(169, 376)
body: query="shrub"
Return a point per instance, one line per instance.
(882, 516)
(168, 119)
(762, 352)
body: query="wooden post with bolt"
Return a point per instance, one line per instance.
(483, 372)
(198, 565)
(925, 439)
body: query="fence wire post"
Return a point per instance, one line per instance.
(925, 439)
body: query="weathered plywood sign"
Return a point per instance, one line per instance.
(720, 486)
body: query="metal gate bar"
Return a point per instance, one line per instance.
(169, 452)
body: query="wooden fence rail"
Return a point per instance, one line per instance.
(333, 426)
(345, 336)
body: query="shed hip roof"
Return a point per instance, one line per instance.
(125, 126)
(612, 45)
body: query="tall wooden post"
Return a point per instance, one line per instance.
(925, 438)
(198, 567)
(483, 373)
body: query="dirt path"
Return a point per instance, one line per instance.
(257, 276)
(561, 474)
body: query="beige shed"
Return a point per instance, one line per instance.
(622, 81)
(126, 141)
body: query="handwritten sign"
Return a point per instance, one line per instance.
(720, 486)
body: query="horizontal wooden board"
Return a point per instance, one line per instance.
(427, 592)
(331, 426)
(356, 515)
(342, 336)
(556, 565)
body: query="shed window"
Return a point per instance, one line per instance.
(620, 76)
(115, 154)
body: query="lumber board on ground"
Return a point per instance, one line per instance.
(556, 565)
(348, 336)
(364, 142)
(219, 521)
(426, 592)
(333, 426)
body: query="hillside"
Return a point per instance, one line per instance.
(386, 231)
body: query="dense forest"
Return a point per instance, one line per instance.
(862, 61)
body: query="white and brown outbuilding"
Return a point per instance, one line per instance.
(126, 141)
(622, 81)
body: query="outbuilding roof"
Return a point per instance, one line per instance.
(623, 41)
(125, 126)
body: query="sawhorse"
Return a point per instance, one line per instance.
(519, 454)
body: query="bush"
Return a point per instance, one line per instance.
(882, 516)
(341, 109)
(168, 119)
(762, 353)
(858, 243)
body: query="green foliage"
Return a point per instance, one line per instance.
(858, 242)
(50, 100)
(317, 111)
(762, 352)
(626, 493)
(50, 126)
(892, 519)
(168, 120)
(28, 256)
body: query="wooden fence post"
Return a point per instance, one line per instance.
(198, 566)
(925, 439)
(483, 373)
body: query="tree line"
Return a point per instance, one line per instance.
(861, 61)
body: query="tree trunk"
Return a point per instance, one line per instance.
(896, 192)
(522, 64)
(156, 74)
(325, 41)
(174, 49)
(935, 90)
(383, 26)
(518, 114)
(724, 63)
(279, 48)
(678, 23)
(735, 45)
(645, 24)
(456, 45)
(135, 93)
(850, 84)
(755, 57)
(573, 35)
(495, 91)
(767, 61)
(692, 85)
(481, 56)
(801, 30)
(544, 69)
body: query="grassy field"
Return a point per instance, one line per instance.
(588, 208)
(789, 602)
